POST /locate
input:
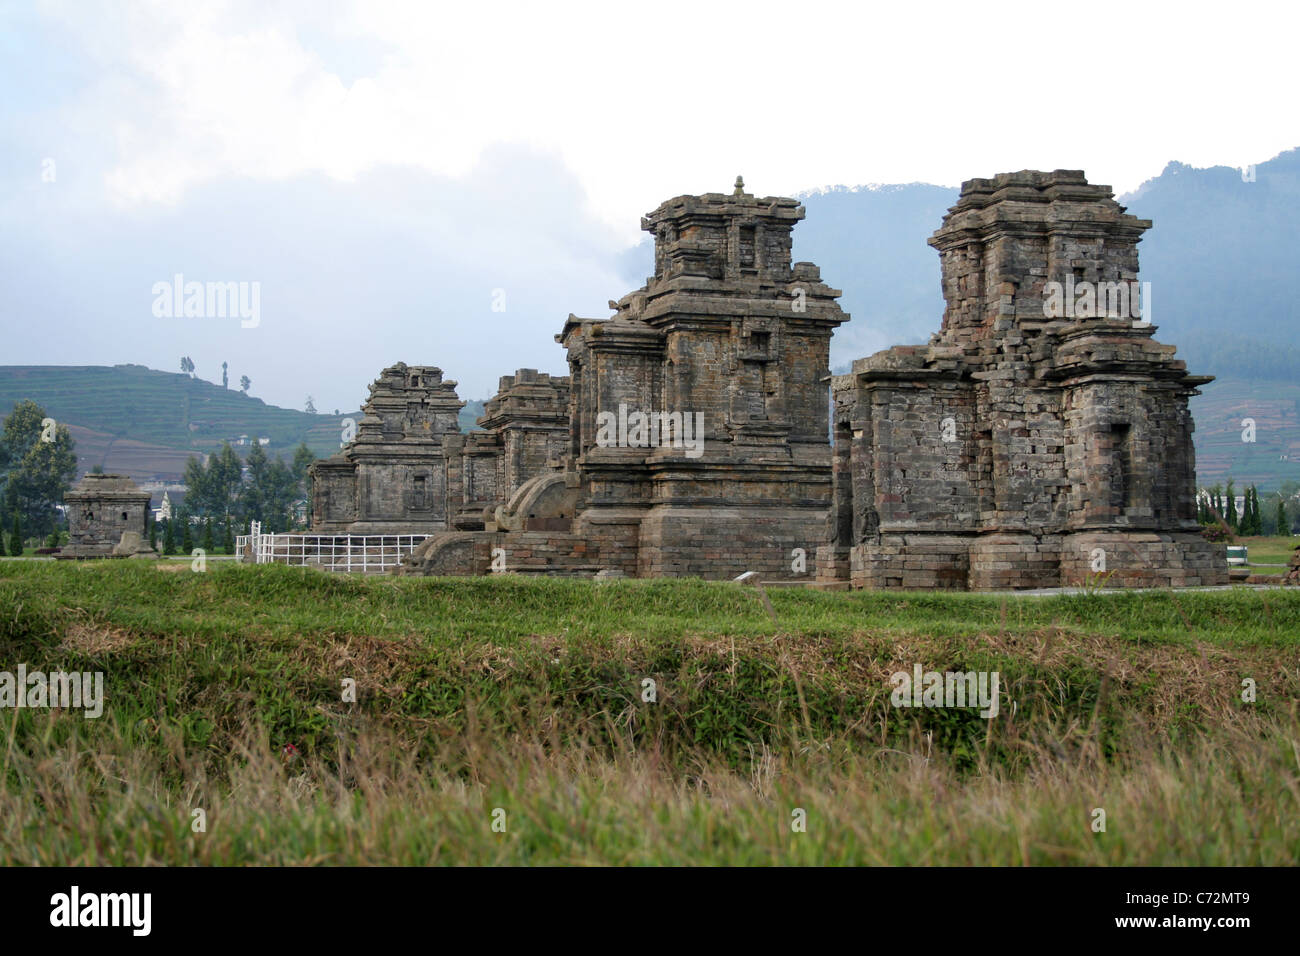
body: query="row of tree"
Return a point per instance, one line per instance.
(182, 534)
(260, 489)
(38, 464)
(187, 366)
(1278, 517)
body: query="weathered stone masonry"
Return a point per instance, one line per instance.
(729, 330)
(392, 479)
(410, 470)
(526, 433)
(1019, 450)
(107, 518)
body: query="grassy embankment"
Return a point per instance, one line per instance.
(526, 696)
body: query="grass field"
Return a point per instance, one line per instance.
(1276, 549)
(522, 702)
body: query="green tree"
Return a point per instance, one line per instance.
(169, 538)
(277, 491)
(1230, 502)
(16, 537)
(303, 458)
(288, 492)
(270, 492)
(227, 539)
(208, 545)
(198, 497)
(224, 475)
(187, 538)
(39, 464)
(153, 533)
(252, 497)
(1215, 503)
(1283, 526)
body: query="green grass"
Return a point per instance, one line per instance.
(1276, 549)
(526, 694)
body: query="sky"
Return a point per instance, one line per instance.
(442, 184)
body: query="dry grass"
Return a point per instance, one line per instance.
(526, 696)
(1232, 801)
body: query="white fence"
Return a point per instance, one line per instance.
(368, 554)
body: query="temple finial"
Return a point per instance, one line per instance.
(740, 186)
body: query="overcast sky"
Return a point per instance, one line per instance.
(388, 172)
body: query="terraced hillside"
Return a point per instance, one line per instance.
(146, 423)
(1221, 452)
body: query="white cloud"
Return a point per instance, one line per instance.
(651, 101)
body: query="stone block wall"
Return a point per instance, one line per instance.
(392, 479)
(104, 512)
(731, 337)
(411, 470)
(987, 458)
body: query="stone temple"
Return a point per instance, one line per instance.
(410, 470)
(1034, 442)
(392, 478)
(107, 518)
(697, 427)
(1024, 446)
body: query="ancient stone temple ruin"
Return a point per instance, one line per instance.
(410, 470)
(1042, 437)
(392, 478)
(107, 518)
(525, 434)
(697, 428)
